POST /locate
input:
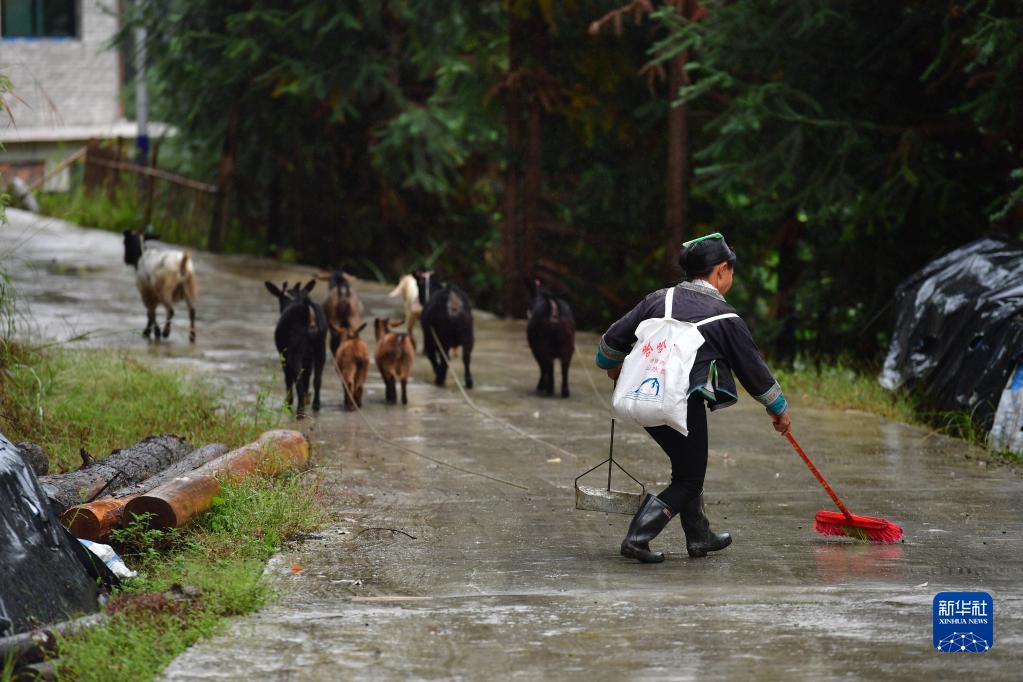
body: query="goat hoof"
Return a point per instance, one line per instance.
(438, 382)
(468, 383)
(316, 406)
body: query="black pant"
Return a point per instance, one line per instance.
(688, 455)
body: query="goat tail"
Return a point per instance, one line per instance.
(555, 310)
(186, 263)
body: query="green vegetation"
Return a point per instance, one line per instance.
(190, 580)
(842, 387)
(100, 401)
(117, 210)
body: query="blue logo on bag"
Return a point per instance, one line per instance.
(964, 622)
(648, 389)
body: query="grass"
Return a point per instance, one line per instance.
(190, 581)
(99, 400)
(841, 387)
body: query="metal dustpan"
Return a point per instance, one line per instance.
(608, 500)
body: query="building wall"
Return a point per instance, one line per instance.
(66, 81)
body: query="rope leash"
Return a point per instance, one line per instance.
(589, 378)
(487, 413)
(393, 444)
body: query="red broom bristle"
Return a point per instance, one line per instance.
(867, 528)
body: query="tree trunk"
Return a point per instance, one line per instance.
(531, 188)
(176, 502)
(225, 177)
(274, 233)
(783, 306)
(510, 270)
(123, 467)
(677, 187)
(94, 520)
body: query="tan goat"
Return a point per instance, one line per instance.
(409, 292)
(395, 352)
(352, 360)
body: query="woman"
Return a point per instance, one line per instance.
(708, 263)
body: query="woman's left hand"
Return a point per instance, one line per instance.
(614, 372)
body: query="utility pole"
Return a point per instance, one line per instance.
(142, 120)
(141, 97)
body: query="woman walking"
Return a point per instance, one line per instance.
(709, 264)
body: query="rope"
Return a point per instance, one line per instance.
(399, 446)
(487, 413)
(589, 378)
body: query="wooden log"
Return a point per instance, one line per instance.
(174, 504)
(146, 458)
(94, 520)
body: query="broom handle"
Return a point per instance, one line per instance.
(815, 472)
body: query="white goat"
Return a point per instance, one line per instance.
(163, 278)
(409, 291)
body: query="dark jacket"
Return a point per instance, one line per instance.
(728, 347)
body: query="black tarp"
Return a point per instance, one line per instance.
(959, 328)
(42, 575)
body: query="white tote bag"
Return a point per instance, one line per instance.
(653, 386)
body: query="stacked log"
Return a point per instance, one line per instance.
(95, 520)
(134, 464)
(175, 503)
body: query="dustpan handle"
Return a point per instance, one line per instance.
(611, 453)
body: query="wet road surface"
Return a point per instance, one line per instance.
(499, 582)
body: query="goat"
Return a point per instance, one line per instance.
(394, 355)
(352, 360)
(551, 335)
(409, 292)
(447, 324)
(342, 307)
(163, 278)
(300, 337)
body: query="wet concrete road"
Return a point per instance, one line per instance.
(498, 582)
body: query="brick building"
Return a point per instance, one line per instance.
(67, 83)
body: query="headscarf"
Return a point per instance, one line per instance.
(700, 256)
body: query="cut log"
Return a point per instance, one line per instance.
(94, 520)
(146, 458)
(174, 504)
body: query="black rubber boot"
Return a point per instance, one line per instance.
(699, 537)
(650, 520)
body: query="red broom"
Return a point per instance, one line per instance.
(868, 528)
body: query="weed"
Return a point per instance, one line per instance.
(97, 400)
(220, 558)
(842, 387)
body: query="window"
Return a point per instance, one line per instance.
(38, 18)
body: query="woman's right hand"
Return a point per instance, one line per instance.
(782, 423)
(614, 372)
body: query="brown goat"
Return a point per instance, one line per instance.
(352, 360)
(395, 352)
(342, 307)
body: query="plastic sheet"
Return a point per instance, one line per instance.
(42, 578)
(959, 328)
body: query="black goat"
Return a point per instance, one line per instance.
(447, 324)
(551, 335)
(300, 337)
